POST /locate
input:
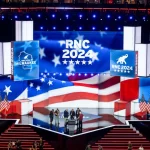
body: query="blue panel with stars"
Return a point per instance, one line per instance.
(123, 63)
(77, 52)
(26, 60)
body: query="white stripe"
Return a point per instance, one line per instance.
(72, 89)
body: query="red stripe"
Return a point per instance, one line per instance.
(103, 85)
(78, 96)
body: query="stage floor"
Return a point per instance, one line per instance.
(93, 119)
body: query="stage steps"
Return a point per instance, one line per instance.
(118, 138)
(24, 133)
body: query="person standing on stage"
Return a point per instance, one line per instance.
(129, 146)
(80, 121)
(72, 114)
(66, 115)
(41, 144)
(51, 116)
(100, 147)
(77, 116)
(88, 147)
(141, 148)
(57, 112)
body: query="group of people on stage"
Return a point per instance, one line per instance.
(72, 115)
(17, 145)
(101, 148)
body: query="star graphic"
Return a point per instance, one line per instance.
(41, 74)
(90, 62)
(97, 45)
(38, 88)
(128, 71)
(43, 37)
(71, 62)
(45, 71)
(44, 75)
(79, 37)
(56, 60)
(50, 82)
(121, 70)
(94, 56)
(63, 81)
(118, 70)
(42, 80)
(26, 45)
(125, 71)
(42, 54)
(83, 62)
(65, 62)
(61, 43)
(114, 70)
(7, 90)
(31, 85)
(64, 33)
(71, 68)
(53, 78)
(102, 33)
(77, 62)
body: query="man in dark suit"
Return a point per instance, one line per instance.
(66, 115)
(72, 114)
(129, 146)
(77, 117)
(51, 116)
(41, 144)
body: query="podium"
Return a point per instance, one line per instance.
(71, 126)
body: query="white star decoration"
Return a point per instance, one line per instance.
(42, 54)
(64, 33)
(63, 81)
(50, 82)
(43, 37)
(79, 37)
(61, 43)
(31, 84)
(90, 62)
(71, 68)
(42, 80)
(65, 62)
(77, 62)
(83, 62)
(97, 45)
(26, 45)
(71, 62)
(7, 90)
(94, 56)
(56, 60)
(38, 88)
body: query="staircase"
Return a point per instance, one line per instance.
(24, 133)
(118, 138)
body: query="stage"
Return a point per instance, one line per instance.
(93, 119)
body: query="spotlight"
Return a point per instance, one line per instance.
(15, 17)
(108, 16)
(67, 28)
(27, 16)
(53, 15)
(144, 18)
(3, 17)
(119, 17)
(79, 74)
(94, 16)
(73, 74)
(54, 28)
(80, 28)
(130, 17)
(85, 74)
(41, 28)
(93, 28)
(39, 15)
(67, 16)
(106, 28)
(119, 28)
(54, 74)
(91, 74)
(60, 74)
(80, 16)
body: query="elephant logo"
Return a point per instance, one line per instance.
(122, 59)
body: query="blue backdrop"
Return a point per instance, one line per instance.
(92, 57)
(26, 60)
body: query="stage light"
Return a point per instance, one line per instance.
(15, 17)
(108, 16)
(119, 28)
(73, 74)
(80, 16)
(144, 18)
(94, 16)
(39, 15)
(27, 16)
(67, 28)
(60, 74)
(98, 74)
(106, 28)
(119, 17)
(91, 74)
(53, 15)
(41, 28)
(54, 74)
(80, 28)
(3, 17)
(67, 74)
(67, 16)
(54, 28)
(93, 28)
(85, 74)
(79, 74)
(130, 17)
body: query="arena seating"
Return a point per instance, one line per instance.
(24, 133)
(118, 137)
